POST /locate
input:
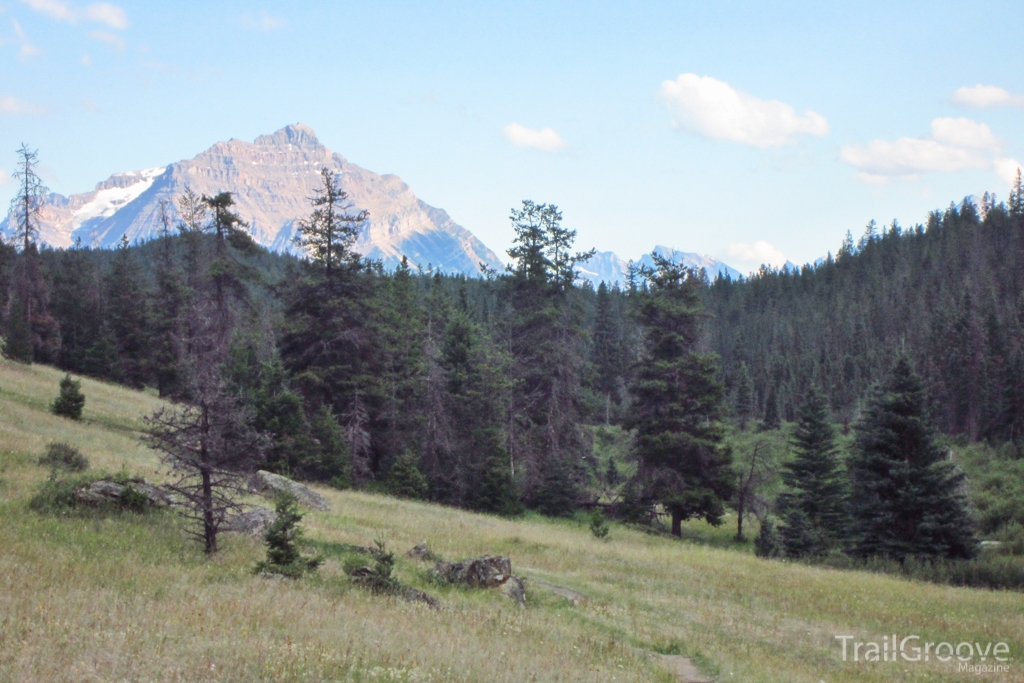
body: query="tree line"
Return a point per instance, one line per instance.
(480, 392)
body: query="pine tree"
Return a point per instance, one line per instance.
(405, 480)
(607, 352)
(543, 335)
(744, 396)
(677, 407)
(906, 498)
(71, 400)
(813, 508)
(330, 231)
(283, 537)
(128, 317)
(772, 419)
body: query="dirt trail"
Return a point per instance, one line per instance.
(683, 669)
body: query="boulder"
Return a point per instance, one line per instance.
(515, 590)
(105, 491)
(268, 484)
(422, 552)
(480, 572)
(254, 522)
(415, 595)
(486, 571)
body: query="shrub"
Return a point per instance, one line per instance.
(64, 457)
(598, 525)
(71, 399)
(377, 578)
(282, 539)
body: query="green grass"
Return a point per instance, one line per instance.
(124, 597)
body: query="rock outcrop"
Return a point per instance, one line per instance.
(487, 571)
(268, 484)
(105, 491)
(254, 522)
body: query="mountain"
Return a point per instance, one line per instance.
(606, 266)
(272, 179)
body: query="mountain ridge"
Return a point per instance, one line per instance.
(271, 179)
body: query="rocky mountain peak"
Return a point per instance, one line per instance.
(298, 134)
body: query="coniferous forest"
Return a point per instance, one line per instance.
(488, 393)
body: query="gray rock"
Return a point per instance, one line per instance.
(515, 589)
(104, 491)
(254, 522)
(422, 552)
(415, 595)
(268, 484)
(480, 572)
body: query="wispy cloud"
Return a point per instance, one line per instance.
(952, 145)
(986, 97)
(12, 105)
(112, 39)
(757, 254)
(262, 22)
(99, 12)
(27, 49)
(545, 138)
(714, 109)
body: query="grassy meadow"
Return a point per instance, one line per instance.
(124, 597)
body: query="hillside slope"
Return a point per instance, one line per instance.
(131, 598)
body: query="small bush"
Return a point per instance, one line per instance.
(1011, 536)
(282, 539)
(377, 578)
(598, 525)
(56, 495)
(63, 457)
(71, 399)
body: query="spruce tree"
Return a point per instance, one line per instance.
(677, 408)
(744, 396)
(71, 400)
(813, 508)
(404, 479)
(906, 498)
(128, 316)
(607, 354)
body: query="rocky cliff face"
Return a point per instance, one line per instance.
(272, 179)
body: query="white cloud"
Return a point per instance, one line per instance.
(756, 254)
(986, 96)
(99, 12)
(1007, 169)
(262, 22)
(12, 105)
(521, 136)
(105, 13)
(27, 48)
(53, 9)
(715, 109)
(113, 40)
(953, 145)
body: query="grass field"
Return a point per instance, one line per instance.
(130, 598)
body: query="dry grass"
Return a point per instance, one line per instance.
(129, 598)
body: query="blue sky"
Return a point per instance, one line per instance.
(748, 131)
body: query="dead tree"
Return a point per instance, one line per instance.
(756, 470)
(206, 443)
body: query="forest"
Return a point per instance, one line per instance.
(497, 393)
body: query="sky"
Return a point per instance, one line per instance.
(752, 132)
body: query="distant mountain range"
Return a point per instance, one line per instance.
(272, 179)
(607, 267)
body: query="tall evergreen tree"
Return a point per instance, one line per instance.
(906, 498)
(607, 352)
(813, 508)
(127, 316)
(744, 396)
(544, 338)
(677, 407)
